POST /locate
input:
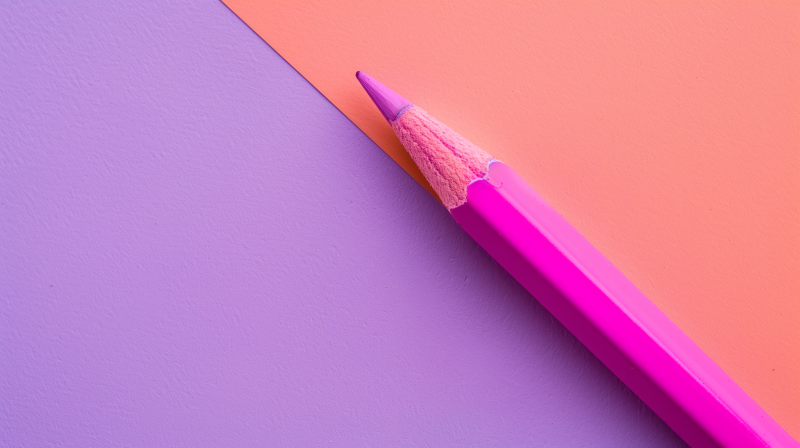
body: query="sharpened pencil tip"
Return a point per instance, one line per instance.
(388, 102)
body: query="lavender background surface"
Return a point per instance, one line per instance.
(198, 249)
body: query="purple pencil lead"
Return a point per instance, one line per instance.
(388, 102)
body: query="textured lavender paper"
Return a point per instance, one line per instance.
(197, 249)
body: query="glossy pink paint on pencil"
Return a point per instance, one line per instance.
(609, 315)
(582, 289)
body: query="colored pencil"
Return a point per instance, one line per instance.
(579, 286)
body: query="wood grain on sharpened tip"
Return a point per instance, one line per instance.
(666, 133)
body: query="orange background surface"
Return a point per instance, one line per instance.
(667, 133)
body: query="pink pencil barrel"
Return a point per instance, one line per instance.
(609, 315)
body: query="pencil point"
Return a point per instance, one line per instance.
(388, 102)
